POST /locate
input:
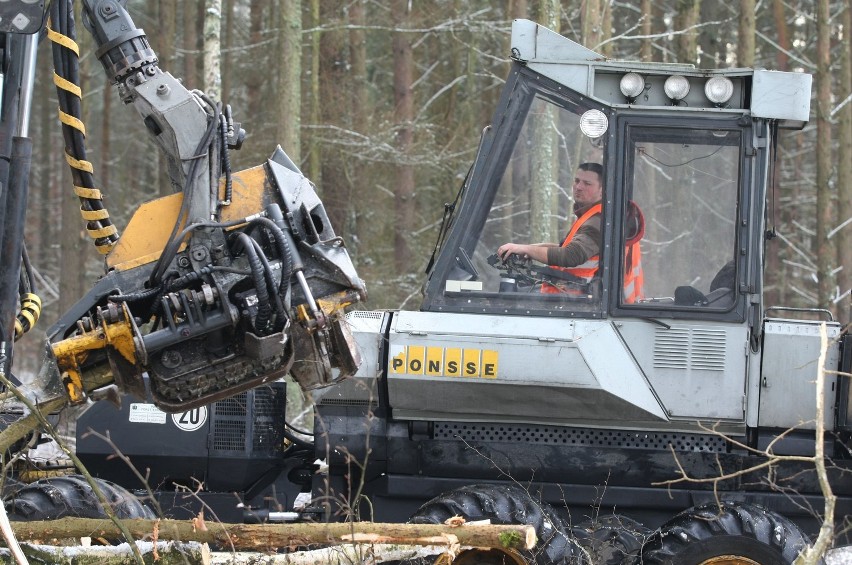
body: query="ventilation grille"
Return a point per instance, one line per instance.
(230, 435)
(364, 315)
(250, 422)
(269, 408)
(689, 348)
(553, 435)
(347, 402)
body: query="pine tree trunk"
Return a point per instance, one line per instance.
(686, 43)
(843, 241)
(826, 218)
(289, 91)
(646, 51)
(213, 49)
(403, 71)
(745, 39)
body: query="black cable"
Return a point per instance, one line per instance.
(297, 430)
(264, 309)
(171, 248)
(283, 245)
(203, 148)
(297, 440)
(270, 280)
(27, 274)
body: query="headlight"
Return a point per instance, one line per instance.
(632, 85)
(719, 90)
(593, 123)
(676, 87)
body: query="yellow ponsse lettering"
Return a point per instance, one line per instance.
(471, 362)
(444, 362)
(453, 359)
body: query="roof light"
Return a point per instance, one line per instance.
(593, 123)
(632, 85)
(719, 89)
(676, 87)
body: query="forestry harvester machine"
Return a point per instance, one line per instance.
(574, 409)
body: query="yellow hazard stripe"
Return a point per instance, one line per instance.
(94, 215)
(73, 122)
(90, 193)
(62, 40)
(79, 164)
(67, 85)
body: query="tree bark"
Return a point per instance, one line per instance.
(844, 172)
(166, 554)
(315, 156)
(227, 44)
(213, 49)
(645, 52)
(290, 78)
(256, 74)
(686, 42)
(591, 32)
(745, 40)
(260, 537)
(190, 44)
(403, 71)
(825, 209)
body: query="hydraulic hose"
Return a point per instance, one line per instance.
(264, 309)
(66, 55)
(280, 314)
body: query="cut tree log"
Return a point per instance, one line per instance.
(266, 537)
(164, 553)
(194, 553)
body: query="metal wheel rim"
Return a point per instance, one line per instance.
(495, 556)
(729, 560)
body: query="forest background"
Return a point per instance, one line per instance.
(381, 104)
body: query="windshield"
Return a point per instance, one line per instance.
(535, 203)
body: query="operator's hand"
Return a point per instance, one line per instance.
(507, 249)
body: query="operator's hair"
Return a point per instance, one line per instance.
(593, 167)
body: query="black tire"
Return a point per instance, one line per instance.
(746, 533)
(611, 540)
(71, 495)
(506, 504)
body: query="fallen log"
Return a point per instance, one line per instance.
(164, 553)
(269, 537)
(194, 553)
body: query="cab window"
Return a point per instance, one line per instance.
(686, 183)
(533, 202)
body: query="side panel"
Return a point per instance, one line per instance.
(698, 369)
(470, 367)
(791, 350)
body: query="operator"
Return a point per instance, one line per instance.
(579, 254)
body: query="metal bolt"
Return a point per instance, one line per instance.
(171, 359)
(163, 90)
(183, 262)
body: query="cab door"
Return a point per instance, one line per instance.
(687, 329)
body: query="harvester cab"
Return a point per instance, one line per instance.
(664, 327)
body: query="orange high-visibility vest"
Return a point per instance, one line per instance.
(634, 278)
(585, 271)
